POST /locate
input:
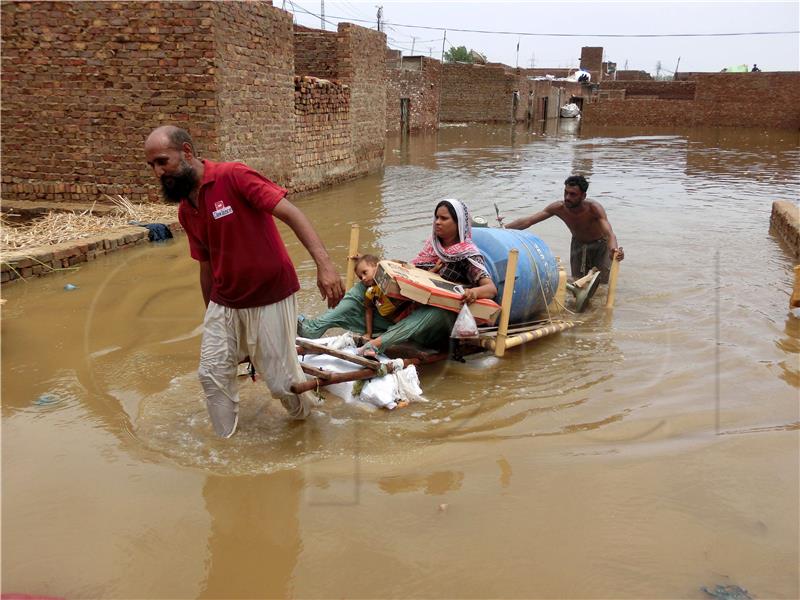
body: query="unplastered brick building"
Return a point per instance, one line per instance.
(413, 90)
(84, 82)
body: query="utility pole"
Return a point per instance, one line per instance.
(675, 74)
(380, 18)
(413, 41)
(517, 65)
(322, 14)
(430, 51)
(444, 39)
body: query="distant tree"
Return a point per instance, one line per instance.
(459, 54)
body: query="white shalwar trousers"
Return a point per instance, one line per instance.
(267, 334)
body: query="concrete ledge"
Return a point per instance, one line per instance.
(785, 222)
(43, 260)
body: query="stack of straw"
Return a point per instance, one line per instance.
(57, 227)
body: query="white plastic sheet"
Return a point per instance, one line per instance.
(382, 392)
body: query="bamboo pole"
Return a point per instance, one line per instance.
(612, 281)
(505, 305)
(352, 256)
(559, 301)
(529, 336)
(794, 301)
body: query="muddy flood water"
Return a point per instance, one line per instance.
(646, 453)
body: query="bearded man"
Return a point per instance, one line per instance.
(247, 280)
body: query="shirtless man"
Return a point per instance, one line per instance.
(593, 240)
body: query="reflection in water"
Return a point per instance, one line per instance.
(790, 367)
(436, 484)
(255, 535)
(505, 472)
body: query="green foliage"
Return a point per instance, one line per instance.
(458, 54)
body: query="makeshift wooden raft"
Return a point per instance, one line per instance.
(493, 339)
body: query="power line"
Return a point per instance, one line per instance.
(605, 35)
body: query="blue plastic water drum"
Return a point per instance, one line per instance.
(537, 271)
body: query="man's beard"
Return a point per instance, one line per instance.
(178, 186)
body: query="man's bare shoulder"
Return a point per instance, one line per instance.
(556, 208)
(596, 208)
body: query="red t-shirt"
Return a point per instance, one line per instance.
(232, 227)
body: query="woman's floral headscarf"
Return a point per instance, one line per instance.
(433, 251)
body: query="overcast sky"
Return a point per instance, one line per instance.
(588, 20)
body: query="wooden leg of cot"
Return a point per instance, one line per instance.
(352, 256)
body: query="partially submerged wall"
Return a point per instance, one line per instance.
(419, 80)
(721, 99)
(785, 222)
(44, 260)
(485, 94)
(323, 149)
(476, 93)
(748, 99)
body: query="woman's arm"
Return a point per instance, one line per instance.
(484, 289)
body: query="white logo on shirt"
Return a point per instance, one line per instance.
(222, 210)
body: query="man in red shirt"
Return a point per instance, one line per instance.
(246, 277)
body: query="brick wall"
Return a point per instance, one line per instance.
(481, 93)
(393, 58)
(664, 90)
(322, 140)
(785, 221)
(592, 61)
(632, 76)
(419, 80)
(83, 83)
(541, 72)
(315, 52)
(254, 62)
(104, 74)
(475, 93)
(361, 55)
(721, 99)
(749, 99)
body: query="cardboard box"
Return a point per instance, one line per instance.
(407, 281)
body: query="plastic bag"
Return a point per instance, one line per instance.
(465, 325)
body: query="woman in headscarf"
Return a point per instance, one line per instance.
(451, 253)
